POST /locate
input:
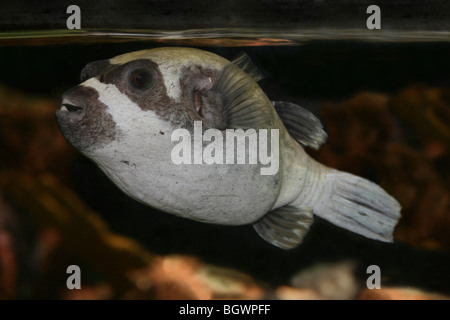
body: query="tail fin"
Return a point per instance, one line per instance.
(358, 205)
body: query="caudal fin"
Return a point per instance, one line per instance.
(358, 205)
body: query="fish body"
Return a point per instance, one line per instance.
(126, 110)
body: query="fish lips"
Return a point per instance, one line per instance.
(83, 119)
(70, 112)
(73, 107)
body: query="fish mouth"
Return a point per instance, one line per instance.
(84, 120)
(68, 107)
(70, 118)
(70, 112)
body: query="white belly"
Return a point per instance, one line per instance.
(230, 194)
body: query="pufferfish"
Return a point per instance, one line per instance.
(125, 110)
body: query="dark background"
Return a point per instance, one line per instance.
(303, 74)
(173, 14)
(315, 70)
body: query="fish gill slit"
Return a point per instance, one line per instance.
(198, 101)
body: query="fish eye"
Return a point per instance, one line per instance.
(141, 78)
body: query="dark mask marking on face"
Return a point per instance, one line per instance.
(143, 83)
(90, 126)
(128, 78)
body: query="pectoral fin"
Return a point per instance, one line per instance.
(285, 227)
(244, 103)
(305, 127)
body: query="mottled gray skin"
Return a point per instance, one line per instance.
(135, 151)
(127, 132)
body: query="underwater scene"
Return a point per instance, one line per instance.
(100, 200)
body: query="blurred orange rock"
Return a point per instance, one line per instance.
(30, 138)
(400, 294)
(188, 278)
(289, 293)
(99, 292)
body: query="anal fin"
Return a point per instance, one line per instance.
(285, 227)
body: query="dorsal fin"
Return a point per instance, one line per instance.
(244, 104)
(305, 127)
(243, 62)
